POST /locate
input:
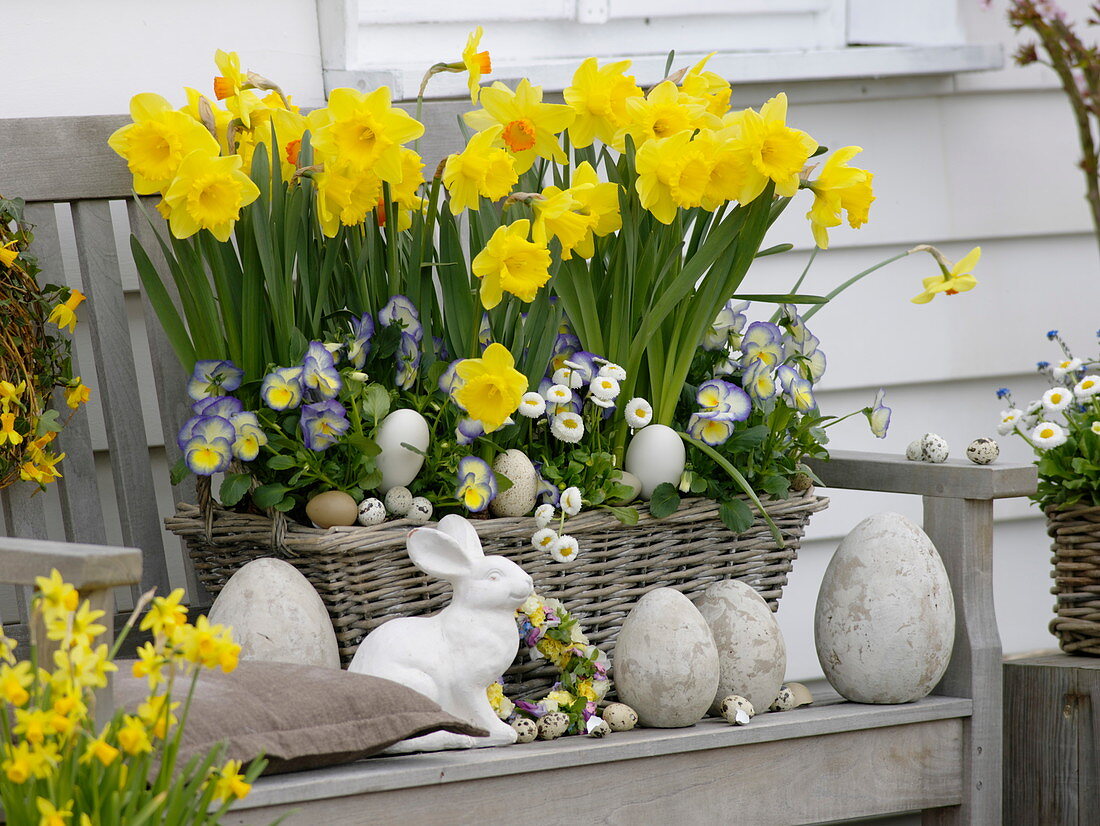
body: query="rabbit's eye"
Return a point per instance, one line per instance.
(494, 576)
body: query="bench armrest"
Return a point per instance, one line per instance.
(85, 567)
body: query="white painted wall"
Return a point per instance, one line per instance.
(985, 158)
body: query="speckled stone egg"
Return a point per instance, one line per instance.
(553, 725)
(912, 453)
(620, 717)
(597, 728)
(371, 512)
(933, 448)
(737, 710)
(526, 729)
(420, 511)
(398, 500)
(784, 700)
(983, 451)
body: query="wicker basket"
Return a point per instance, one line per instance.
(1075, 530)
(365, 577)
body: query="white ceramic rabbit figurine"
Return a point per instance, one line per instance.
(451, 657)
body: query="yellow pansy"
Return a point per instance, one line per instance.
(777, 151)
(157, 142)
(363, 132)
(344, 196)
(529, 127)
(712, 89)
(208, 193)
(482, 169)
(77, 393)
(598, 97)
(839, 188)
(492, 386)
(476, 63)
(957, 278)
(8, 254)
(64, 314)
(664, 112)
(510, 263)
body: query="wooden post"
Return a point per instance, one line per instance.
(962, 531)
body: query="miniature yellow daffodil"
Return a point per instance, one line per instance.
(64, 314)
(839, 188)
(99, 749)
(8, 254)
(492, 386)
(157, 142)
(133, 737)
(510, 263)
(476, 63)
(957, 278)
(58, 596)
(165, 614)
(529, 126)
(229, 782)
(208, 193)
(482, 169)
(598, 96)
(14, 682)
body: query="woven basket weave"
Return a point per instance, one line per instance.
(1075, 530)
(364, 575)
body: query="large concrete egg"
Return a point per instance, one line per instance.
(665, 663)
(885, 618)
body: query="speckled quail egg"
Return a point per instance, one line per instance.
(371, 512)
(420, 511)
(983, 451)
(801, 694)
(620, 717)
(801, 481)
(912, 453)
(398, 501)
(526, 729)
(784, 701)
(553, 725)
(933, 448)
(597, 727)
(737, 710)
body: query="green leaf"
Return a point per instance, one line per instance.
(280, 462)
(778, 248)
(503, 483)
(735, 515)
(234, 487)
(287, 504)
(665, 500)
(775, 485)
(783, 298)
(376, 402)
(269, 495)
(179, 471)
(626, 515)
(47, 423)
(162, 305)
(368, 447)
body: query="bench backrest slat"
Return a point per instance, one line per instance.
(114, 355)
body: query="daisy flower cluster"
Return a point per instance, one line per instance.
(1062, 426)
(550, 633)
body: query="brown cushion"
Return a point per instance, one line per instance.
(298, 716)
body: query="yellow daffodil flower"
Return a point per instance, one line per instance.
(8, 254)
(363, 131)
(289, 125)
(664, 112)
(598, 97)
(51, 816)
(165, 614)
(17, 765)
(953, 280)
(482, 169)
(589, 207)
(10, 394)
(7, 430)
(208, 193)
(711, 89)
(839, 188)
(672, 172)
(476, 63)
(77, 394)
(344, 197)
(777, 151)
(64, 314)
(133, 737)
(510, 263)
(158, 140)
(99, 749)
(150, 664)
(58, 597)
(14, 682)
(229, 782)
(231, 80)
(530, 127)
(492, 386)
(157, 715)
(216, 120)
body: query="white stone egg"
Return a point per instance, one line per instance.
(665, 663)
(752, 656)
(518, 500)
(276, 615)
(629, 480)
(398, 464)
(655, 455)
(885, 618)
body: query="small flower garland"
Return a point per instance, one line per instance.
(551, 633)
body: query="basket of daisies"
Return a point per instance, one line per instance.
(544, 332)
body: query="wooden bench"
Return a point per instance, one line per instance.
(827, 762)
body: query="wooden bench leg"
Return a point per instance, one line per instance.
(962, 531)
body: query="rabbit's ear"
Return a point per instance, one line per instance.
(462, 532)
(436, 553)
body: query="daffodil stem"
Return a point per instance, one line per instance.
(855, 279)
